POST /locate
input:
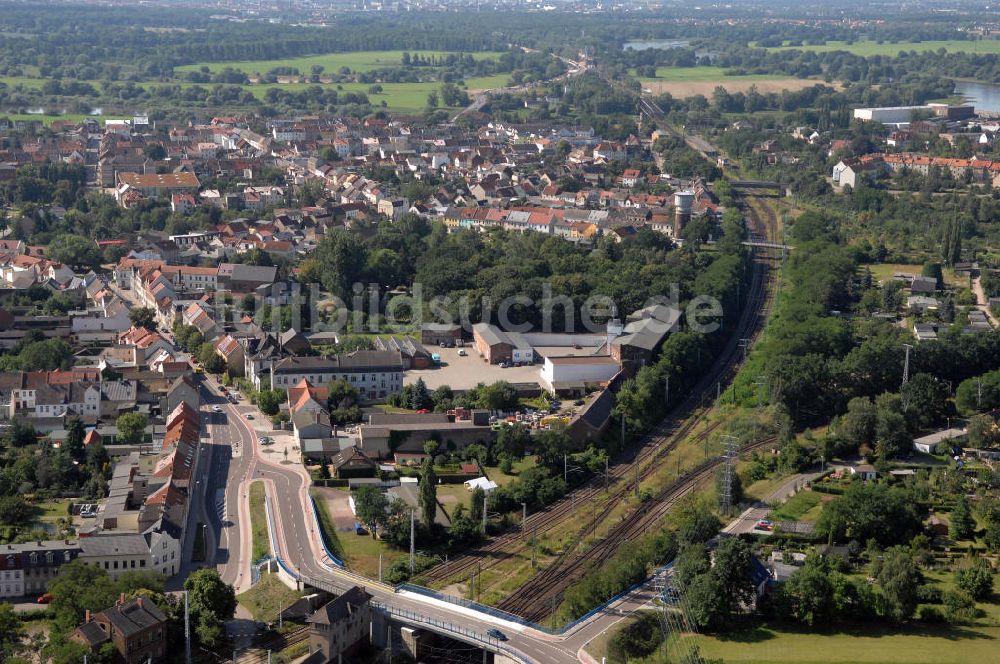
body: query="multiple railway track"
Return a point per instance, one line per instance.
(538, 594)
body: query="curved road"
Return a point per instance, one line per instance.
(234, 460)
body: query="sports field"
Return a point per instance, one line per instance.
(866, 48)
(358, 61)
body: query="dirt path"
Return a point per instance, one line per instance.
(982, 302)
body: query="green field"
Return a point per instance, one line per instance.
(707, 73)
(867, 48)
(358, 61)
(26, 81)
(411, 97)
(258, 522)
(400, 97)
(803, 506)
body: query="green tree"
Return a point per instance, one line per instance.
(811, 592)
(78, 587)
(14, 510)
(428, 494)
(45, 355)
(692, 561)
(924, 399)
(11, 632)
(868, 510)
(143, 317)
(75, 251)
(961, 523)
(733, 567)
(131, 427)
(269, 401)
(477, 502)
(500, 395)
(983, 431)
(976, 579)
(74, 439)
(857, 426)
(891, 426)
(371, 504)
(210, 360)
(706, 603)
(899, 578)
(420, 397)
(212, 602)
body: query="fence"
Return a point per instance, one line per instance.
(322, 535)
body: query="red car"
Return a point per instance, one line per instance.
(423, 411)
(45, 599)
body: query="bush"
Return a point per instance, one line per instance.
(959, 606)
(637, 639)
(976, 580)
(930, 614)
(927, 594)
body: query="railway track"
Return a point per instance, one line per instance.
(539, 596)
(664, 438)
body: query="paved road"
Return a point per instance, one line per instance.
(299, 546)
(746, 521)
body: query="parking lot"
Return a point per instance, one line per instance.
(463, 373)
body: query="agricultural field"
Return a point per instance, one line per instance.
(868, 48)
(359, 61)
(689, 81)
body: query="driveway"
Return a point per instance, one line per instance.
(746, 521)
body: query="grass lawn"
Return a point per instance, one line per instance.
(867, 48)
(875, 644)
(802, 506)
(258, 522)
(52, 509)
(866, 644)
(267, 598)
(884, 271)
(361, 554)
(358, 61)
(762, 488)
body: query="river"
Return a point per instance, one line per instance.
(658, 43)
(984, 96)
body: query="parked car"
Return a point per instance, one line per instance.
(249, 416)
(216, 409)
(45, 598)
(461, 352)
